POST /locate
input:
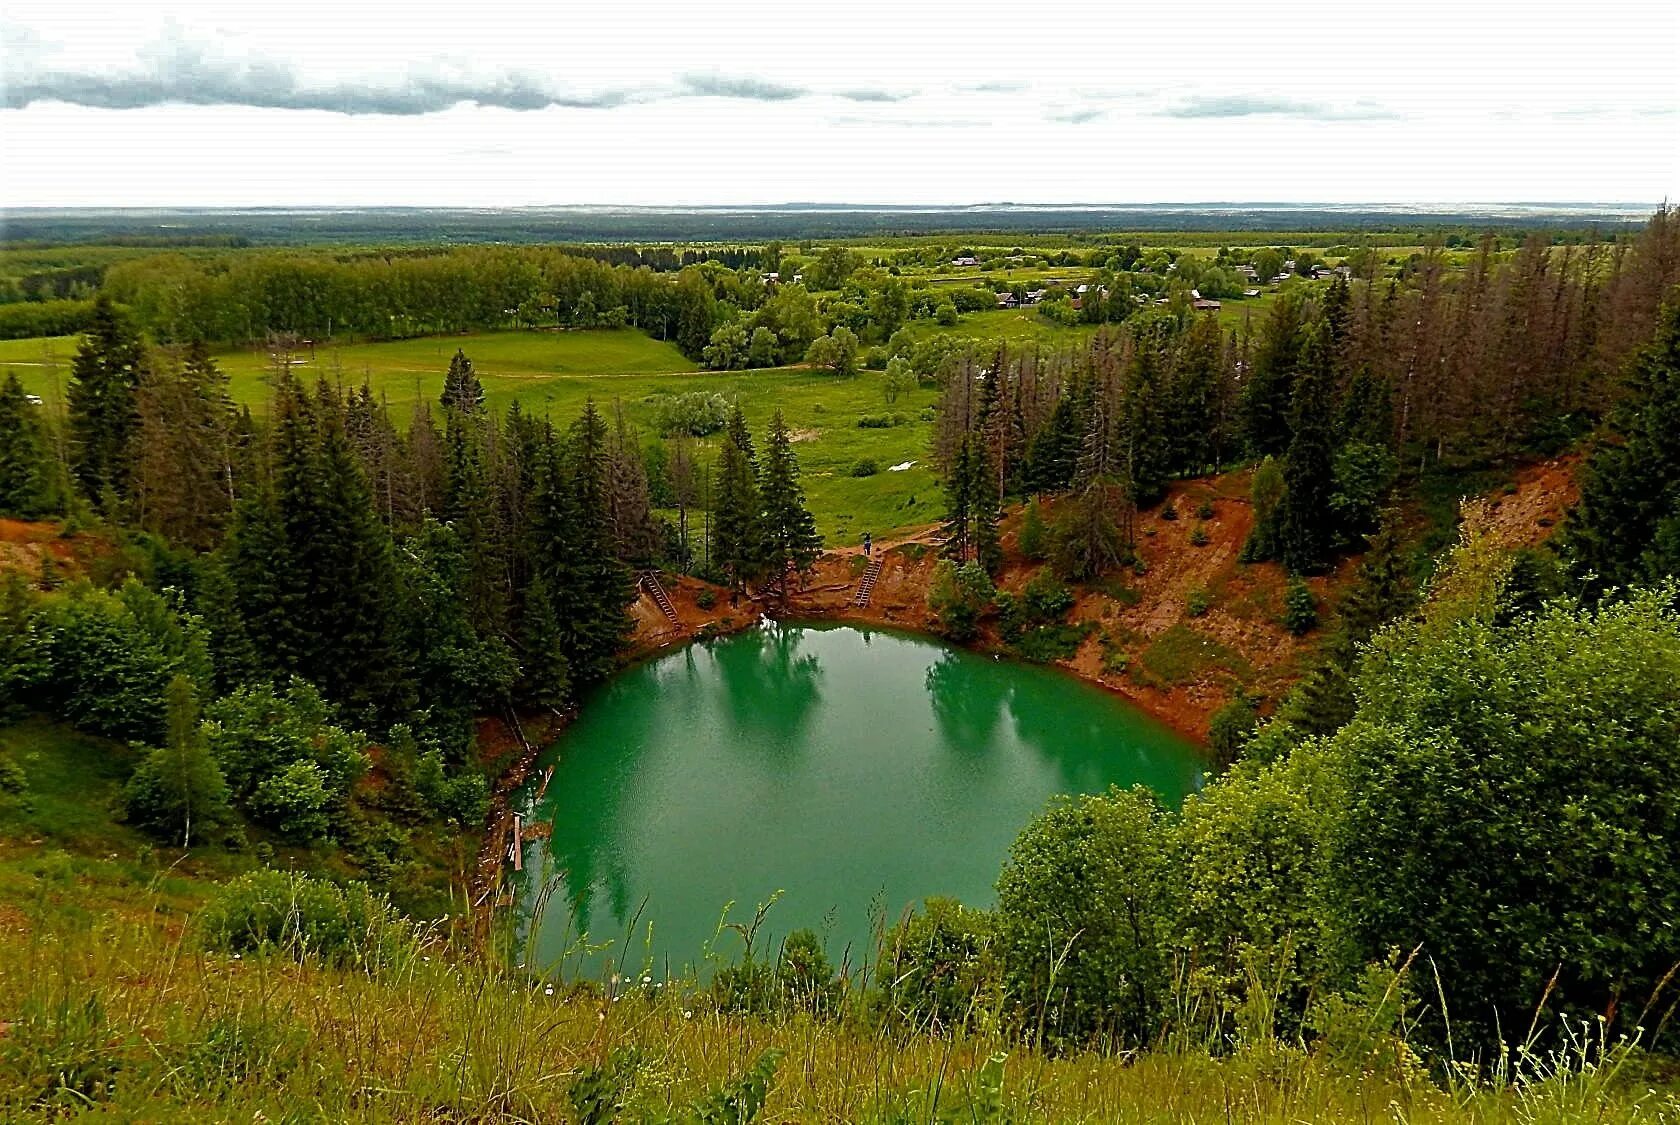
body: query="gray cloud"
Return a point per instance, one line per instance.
(745, 89)
(995, 88)
(1244, 106)
(872, 95)
(1076, 116)
(174, 71)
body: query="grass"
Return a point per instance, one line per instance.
(554, 373)
(1182, 655)
(115, 1010)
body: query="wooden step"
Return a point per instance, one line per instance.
(866, 587)
(650, 583)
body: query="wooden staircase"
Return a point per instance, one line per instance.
(866, 587)
(650, 583)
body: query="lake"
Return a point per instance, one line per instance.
(857, 771)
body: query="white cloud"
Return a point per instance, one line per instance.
(364, 103)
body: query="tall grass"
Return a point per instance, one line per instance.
(128, 1015)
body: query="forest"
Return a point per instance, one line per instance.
(1456, 837)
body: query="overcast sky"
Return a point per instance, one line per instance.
(487, 102)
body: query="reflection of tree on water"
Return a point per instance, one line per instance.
(772, 689)
(966, 703)
(584, 806)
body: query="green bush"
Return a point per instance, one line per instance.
(1034, 539)
(1168, 512)
(865, 468)
(1197, 603)
(958, 597)
(939, 968)
(1230, 729)
(706, 599)
(111, 657)
(1513, 804)
(696, 413)
(1204, 510)
(1083, 920)
(1300, 608)
(287, 764)
(295, 914)
(1198, 536)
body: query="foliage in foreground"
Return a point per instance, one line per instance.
(291, 1034)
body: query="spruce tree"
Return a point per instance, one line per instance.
(790, 534)
(587, 586)
(1268, 392)
(544, 673)
(1305, 531)
(461, 389)
(737, 508)
(957, 531)
(184, 473)
(103, 414)
(25, 483)
(1626, 530)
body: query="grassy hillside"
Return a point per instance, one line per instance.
(113, 1008)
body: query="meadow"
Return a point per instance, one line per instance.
(552, 374)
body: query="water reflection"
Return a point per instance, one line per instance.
(843, 768)
(967, 706)
(772, 687)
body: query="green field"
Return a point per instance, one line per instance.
(553, 373)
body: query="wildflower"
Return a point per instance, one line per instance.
(549, 991)
(687, 1015)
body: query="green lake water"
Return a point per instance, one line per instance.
(857, 771)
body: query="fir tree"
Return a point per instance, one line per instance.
(184, 472)
(103, 414)
(461, 389)
(588, 587)
(738, 511)
(1268, 392)
(637, 536)
(1305, 532)
(25, 486)
(1626, 530)
(790, 538)
(1053, 452)
(544, 674)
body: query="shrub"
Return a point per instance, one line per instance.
(1204, 510)
(1231, 728)
(294, 802)
(299, 915)
(1198, 536)
(463, 798)
(939, 966)
(257, 735)
(865, 467)
(706, 599)
(696, 413)
(1034, 539)
(1512, 803)
(958, 597)
(1197, 603)
(111, 657)
(1300, 608)
(1082, 919)
(880, 421)
(1168, 512)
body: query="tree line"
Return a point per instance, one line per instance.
(326, 567)
(1337, 393)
